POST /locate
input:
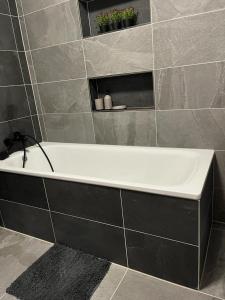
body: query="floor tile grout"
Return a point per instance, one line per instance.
(119, 285)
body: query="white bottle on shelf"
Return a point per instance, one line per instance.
(108, 102)
(99, 104)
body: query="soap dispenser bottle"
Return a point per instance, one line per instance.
(108, 101)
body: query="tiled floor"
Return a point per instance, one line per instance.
(18, 251)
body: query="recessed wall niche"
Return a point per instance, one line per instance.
(90, 9)
(135, 91)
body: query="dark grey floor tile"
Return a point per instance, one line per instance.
(169, 217)
(88, 201)
(101, 240)
(23, 189)
(32, 221)
(172, 261)
(137, 286)
(214, 275)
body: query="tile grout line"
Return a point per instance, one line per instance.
(119, 285)
(50, 213)
(47, 7)
(124, 229)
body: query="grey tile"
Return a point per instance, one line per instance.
(33, 5)
(164, 10)
(192, 128)
(214, 279)
(24, 67)
(7, 41)
(219, 205)
(65, 97)
(4, 8)
(200, 86)
(37, 128)
(126, 51)
(109, 283)
(125, 128)
(17, 252)
(17, 32)
(10, 73)
(59, 62)
(19, 7)
(37, 98)
(71, 128)
(137, 286)
(31, 100)
(191, 40)
(42, 127)
(24, 33)
(54, 25)
(30, 66)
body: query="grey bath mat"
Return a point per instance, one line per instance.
(61, 273)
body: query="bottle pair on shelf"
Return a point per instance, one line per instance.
(106, 104)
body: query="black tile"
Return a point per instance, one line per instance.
(13, 103)
(24, 67)
(32, 221)
(7, 40)
(164, 216)
(98, 239)
(10, 72)
(4, 8)
(205, 218)
(31, 99)
(83, 200)
(172, 261)
(23, 189)
(37, 128)
(18, 36)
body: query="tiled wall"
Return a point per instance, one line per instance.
(184, 46)
(17, 106)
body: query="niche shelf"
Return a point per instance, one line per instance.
(135, 91)
(89, 9)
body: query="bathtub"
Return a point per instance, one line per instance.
(149, 209)
(165, 171)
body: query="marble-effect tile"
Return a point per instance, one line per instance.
(126, 51)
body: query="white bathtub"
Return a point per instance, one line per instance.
(165, 171)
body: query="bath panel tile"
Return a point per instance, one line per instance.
(37, 128)
(191, 40)
(31, 100)
(70, 128)
(23, 189)
(29, 220)
(125, 128)
(101, 240)
(121, 52)
(59, 62)
(53, 25)
(193, 128)
(164, 216)
(191, 87)
(10, 73)
(219, 205)
(165, 10)
(220, 169)
(163, 258)
(65, 97)
(33, 5)
(7, 41)
(4, 8)
(214, 280)
(13, 103)
(83, 200)
(139, 286)
(18, 36)
(206, 218)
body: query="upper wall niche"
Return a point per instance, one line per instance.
(90, 9)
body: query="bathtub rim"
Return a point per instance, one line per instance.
(175, 191)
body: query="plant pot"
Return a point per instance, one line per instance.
(104, 28)
(129, 22)
(116, 25)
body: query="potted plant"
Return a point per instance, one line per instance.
(116, 18)
(129, 17)
(103, 22)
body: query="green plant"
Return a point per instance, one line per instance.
(116, 16)
(129, 13)
(103, 19)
